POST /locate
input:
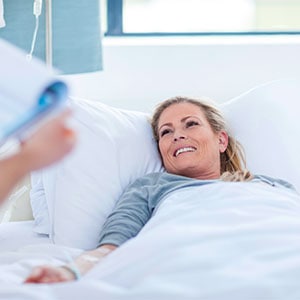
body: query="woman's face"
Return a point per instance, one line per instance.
(187, 144)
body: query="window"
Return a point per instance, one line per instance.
(148, 17)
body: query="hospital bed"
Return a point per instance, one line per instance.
(214, 246)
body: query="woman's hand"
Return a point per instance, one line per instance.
(81, 265)
(49, 274)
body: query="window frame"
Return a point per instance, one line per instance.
(114, 12)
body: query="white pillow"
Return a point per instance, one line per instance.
(115, 147)
(265, 121)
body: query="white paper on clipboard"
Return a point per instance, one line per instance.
(29, 91)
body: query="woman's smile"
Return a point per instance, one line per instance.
(184, 150)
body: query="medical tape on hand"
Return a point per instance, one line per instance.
(90, 258)
(103, 250)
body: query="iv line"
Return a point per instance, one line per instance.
(29, 55)
(37, 10)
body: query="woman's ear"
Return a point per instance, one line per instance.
(223, 141)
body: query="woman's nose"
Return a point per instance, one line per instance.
(179, 136)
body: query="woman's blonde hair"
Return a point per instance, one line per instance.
(233, 163)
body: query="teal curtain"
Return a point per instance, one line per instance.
(75, 28)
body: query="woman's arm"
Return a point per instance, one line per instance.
(73, 271)
(128, 218)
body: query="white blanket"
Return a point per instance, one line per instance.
(224, 241)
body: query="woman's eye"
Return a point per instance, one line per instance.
(191, 123)
(164, 132)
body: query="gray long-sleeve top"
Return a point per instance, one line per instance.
(137, 204)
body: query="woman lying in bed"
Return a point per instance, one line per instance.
(196, 149)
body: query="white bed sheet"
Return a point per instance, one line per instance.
(14, 235)
(202, 243)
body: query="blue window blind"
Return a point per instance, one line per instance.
(75, 27)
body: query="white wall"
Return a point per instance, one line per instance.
(140, 72)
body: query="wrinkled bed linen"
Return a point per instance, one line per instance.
(233, 241)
